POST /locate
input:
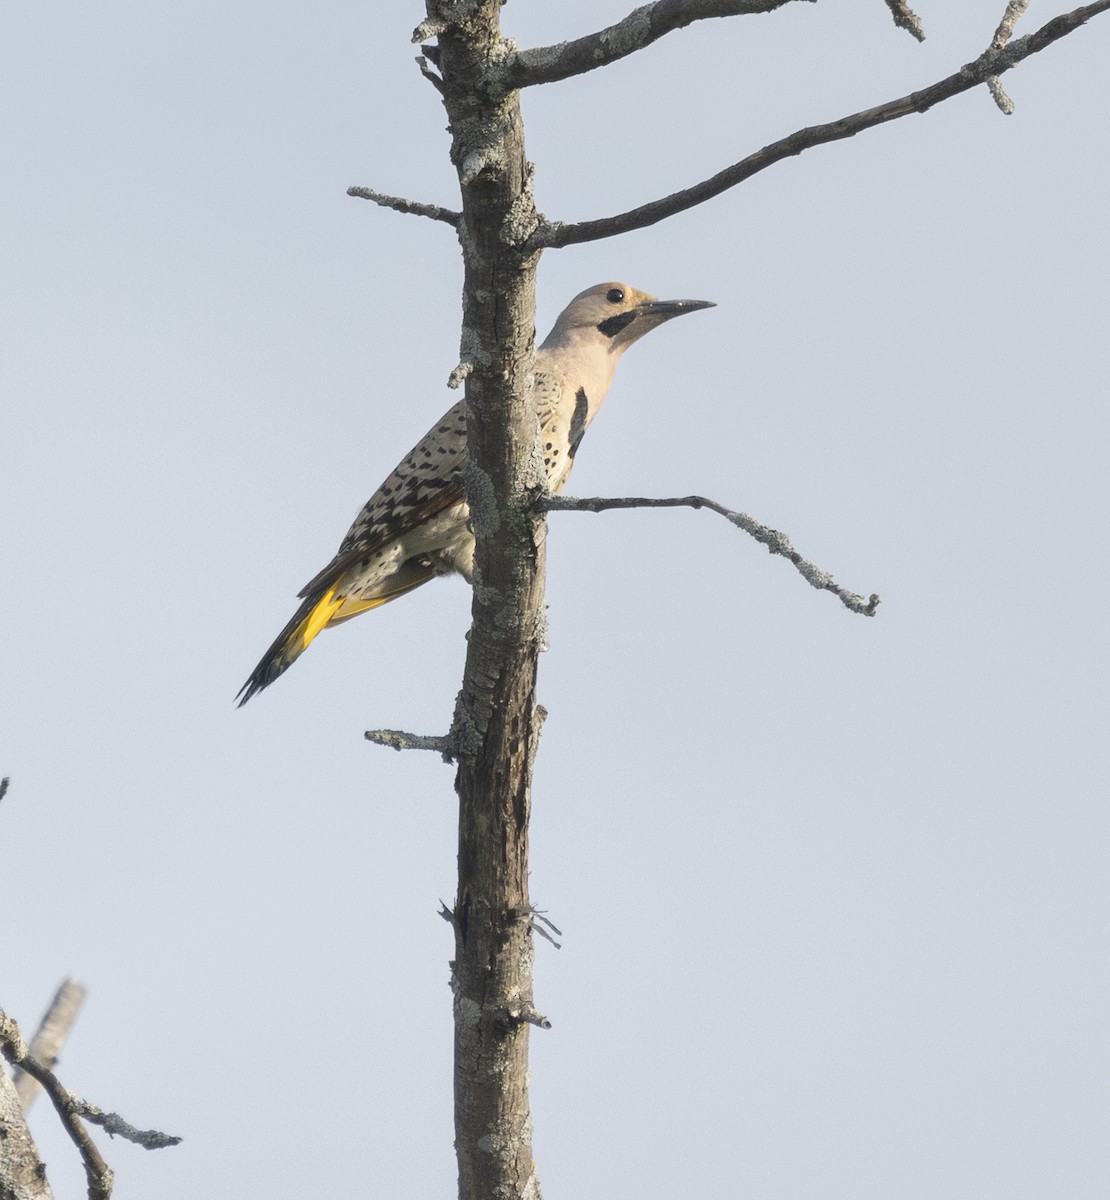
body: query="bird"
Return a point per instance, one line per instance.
(415, 526)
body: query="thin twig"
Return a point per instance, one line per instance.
(991, 62)
(538, 915)
(47, 1043)
(906, 18)
(539, 921)
(549, 64)
(776, 543)
(403, 205)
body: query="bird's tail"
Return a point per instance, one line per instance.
(324, 607)
(312, 616)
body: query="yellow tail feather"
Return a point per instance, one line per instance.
(329, 610)
(326, 607)
(351, 608)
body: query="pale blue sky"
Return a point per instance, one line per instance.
(834, 891)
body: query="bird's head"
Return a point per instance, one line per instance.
(617, 314)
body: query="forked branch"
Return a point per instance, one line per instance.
(993, 62)
(776, 543)
(70, 1110)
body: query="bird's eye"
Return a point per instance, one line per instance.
(615, 295)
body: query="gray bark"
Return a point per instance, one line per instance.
(496, 726)
(22, 1176)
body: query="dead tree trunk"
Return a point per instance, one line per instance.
(496, 726)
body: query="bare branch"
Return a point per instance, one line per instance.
(404, 205)
(993, 62)
(549, 64)
(47, 1043)
(98, 1174)
(906, 18)
(70, 1110)
(776, 543)
(397, 739)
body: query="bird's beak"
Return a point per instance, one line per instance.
(663, 310)
(629, 326)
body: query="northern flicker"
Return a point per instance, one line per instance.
(414, 527)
